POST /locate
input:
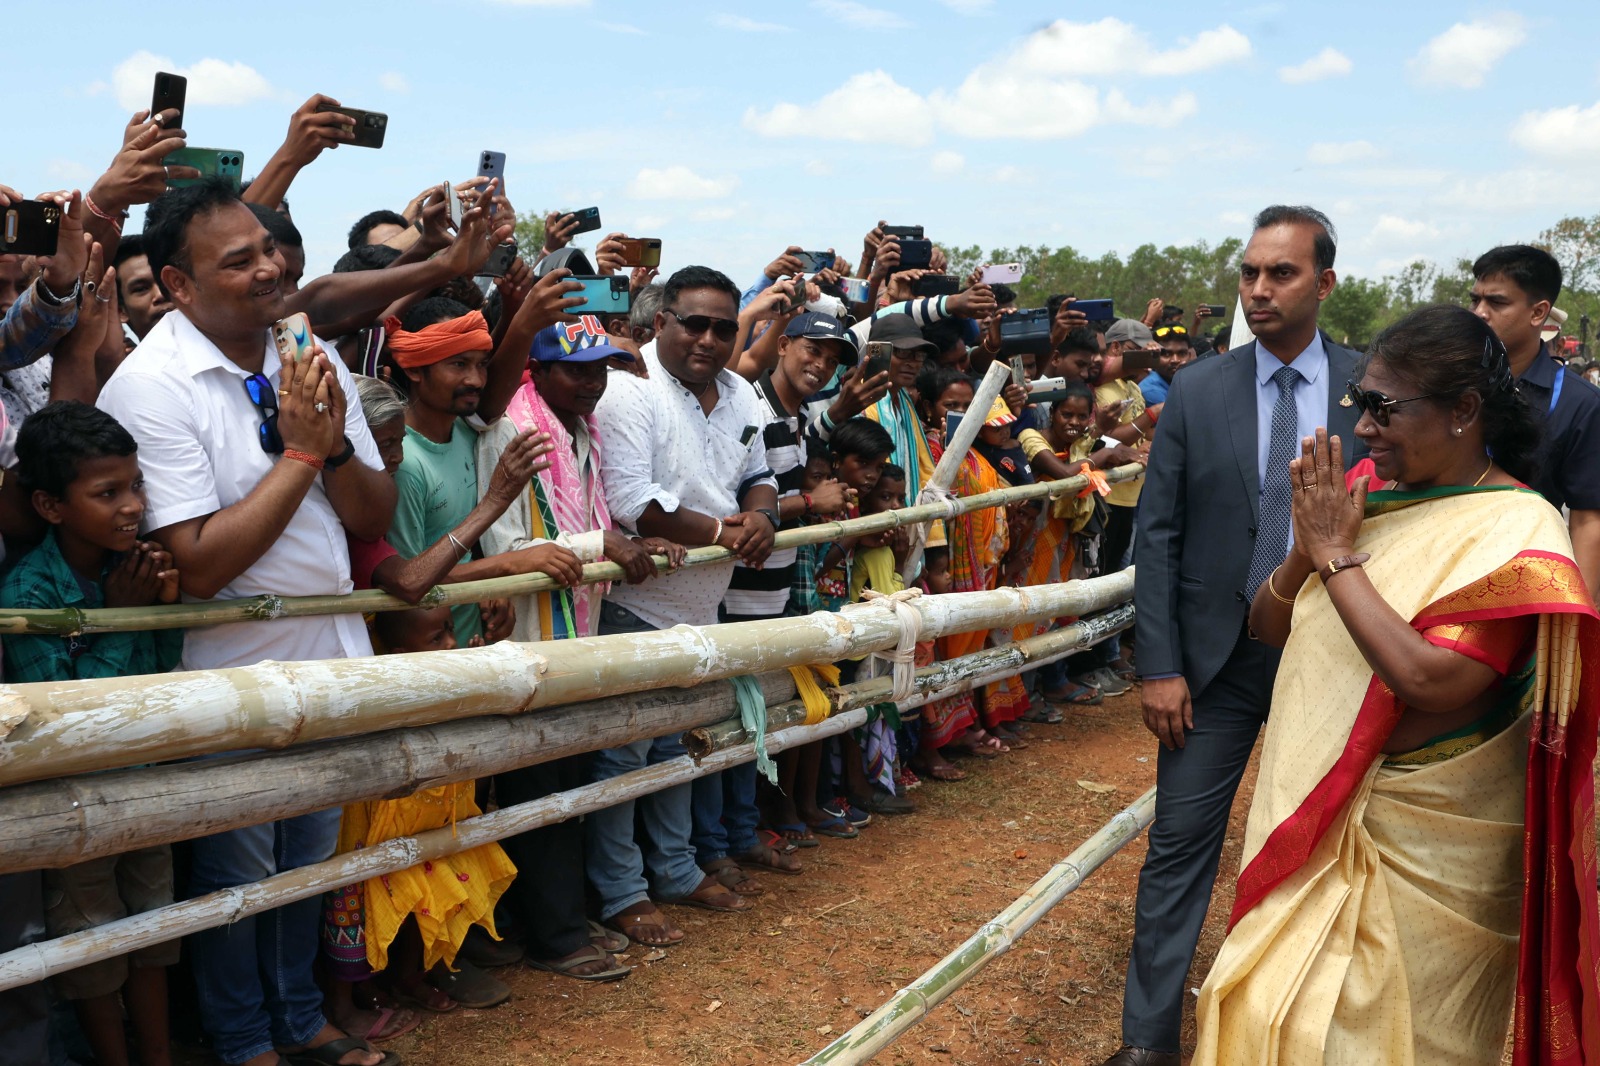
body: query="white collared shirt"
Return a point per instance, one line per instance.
(1310, 398)
(661, 445)
(199, 448)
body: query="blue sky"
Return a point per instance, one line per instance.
(1423, 129)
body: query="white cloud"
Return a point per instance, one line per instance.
(1565, 133)
(947, 162)
(859, 16)
(620, 27)
(725, 21)
(394, 81)
(870, 107)
(1328, 63)
(1039, 108)
(1391, 230)
(1333, 153)
(969, 7)
(819, 169)
(1111, 46)
(678, 183)
(212, 82)
(1460, 57)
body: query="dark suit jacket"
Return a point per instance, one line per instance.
(1197, 513)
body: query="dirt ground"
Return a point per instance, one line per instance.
(820, 951)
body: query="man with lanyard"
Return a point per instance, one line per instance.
(1515, 287)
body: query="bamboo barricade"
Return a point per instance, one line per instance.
(61, 729)
(914, 1002)
(35, 962)
(68, 621)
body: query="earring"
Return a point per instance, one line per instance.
(1458, 431)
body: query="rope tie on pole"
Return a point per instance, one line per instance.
(809, 689)
(903, 658)
(753, 716)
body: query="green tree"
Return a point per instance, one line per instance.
(1352, 313)
(530, 235)
(1575, 242)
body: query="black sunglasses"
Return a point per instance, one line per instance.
(265, 397)
(724, 329)
(1377, 404)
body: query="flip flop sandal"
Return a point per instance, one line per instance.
(702, 898)
(330, 1053)
(425, 997)
(616, 972)
(1077, 695)
(408, 1022)
(730, 875)
(632, 923)
(471, 987)
(782, 831)
(763, 857)
(835, 828)
(1044, 715)
(608, 940)
(945, 772)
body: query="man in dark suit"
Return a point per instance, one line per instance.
(1213, 522)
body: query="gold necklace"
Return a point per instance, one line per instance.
(1483, 475)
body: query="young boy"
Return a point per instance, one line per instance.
(81, 470)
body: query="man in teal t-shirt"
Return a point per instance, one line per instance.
(438, 481)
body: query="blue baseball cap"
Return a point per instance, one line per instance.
(820, 327)
(582, 341)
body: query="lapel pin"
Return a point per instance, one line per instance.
(1347, 402)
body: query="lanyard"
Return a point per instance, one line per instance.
(1555, 391)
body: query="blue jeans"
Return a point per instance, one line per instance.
(615, 861)
(254, 976)
(725, 813)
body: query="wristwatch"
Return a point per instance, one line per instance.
(772, 516)
(334, 462)
(52, 299)
(1344, 562)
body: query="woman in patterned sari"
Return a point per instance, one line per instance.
(1419, 864)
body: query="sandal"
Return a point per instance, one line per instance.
(764, 857)
(608, 940)
(405, 1021)
(979, 745)
(424, 996)
(635, 927)
(1043, 714)
(1077, 695)
(731, 876)
(710, 897)
(795, 833)
(615, 972)
(330, 1053)
(944, 772)
(835, 827)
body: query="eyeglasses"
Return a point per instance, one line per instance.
(1377, 404)
(1163, 332)
(724, 329)
(265, 397)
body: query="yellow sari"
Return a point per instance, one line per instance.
(1395, 909)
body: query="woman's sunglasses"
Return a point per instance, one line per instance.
(265, 397)
(1377, 404)
(724, 329)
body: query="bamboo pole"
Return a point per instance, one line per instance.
(55, 823)
(68, 621)
(35, 962)
(934, 682)
(59, 729)
(912, 1003)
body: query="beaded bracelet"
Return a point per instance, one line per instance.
(315, 462)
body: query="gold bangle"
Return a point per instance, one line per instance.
(1273, 589)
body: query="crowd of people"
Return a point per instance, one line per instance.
(444, 425)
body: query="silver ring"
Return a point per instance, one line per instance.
(166, 172)
(102, 299)
(321, 407)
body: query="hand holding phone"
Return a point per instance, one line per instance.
(292, 337)
(226, 163)
(641, 251)
(588, 220)
(876, 359)
(1001, 273)
(170, 91)
(369, 127)
(29, 227)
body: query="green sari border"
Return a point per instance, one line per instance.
(1387, 500)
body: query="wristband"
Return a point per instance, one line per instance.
(334, 462)
(771, 516)
(94, 209)
(806, 496)
(52, 299)
(1154, 417)
(313, 461)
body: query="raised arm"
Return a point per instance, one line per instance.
(310, 131)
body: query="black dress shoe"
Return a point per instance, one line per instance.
(1143, 1056)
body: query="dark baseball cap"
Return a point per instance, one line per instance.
(902, 332)
(820, 327)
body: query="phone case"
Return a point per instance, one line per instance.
(1001, 274)
(588, 219)
(211, 162)
(641, 252)
(855, 289)
(292, 336)
(30, 227)
(491, 164)
(604, 295)
(169, 93)
(499, 261)
(916, 254)
(811, 262)
(370, 125)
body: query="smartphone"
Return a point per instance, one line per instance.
(292, 336)
(900, 233)
(855, 289)
(1019, 373)
(169, 93)
(491, 165)
(1027, 330)
(225, 163)
(1001, 274)
(798, 300)
(1215, 310)
(370, 125)
(641, 251)
(936, 285)
(588, 219)
(878, 354)
(811, 262)
(29, 227)
(915, 254)
(602, 296)
(1140, 359)
(499, 261)
(453, 205)
(1097, 310)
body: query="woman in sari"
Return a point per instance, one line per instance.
(1420, 854)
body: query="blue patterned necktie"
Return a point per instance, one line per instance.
(1274, 522)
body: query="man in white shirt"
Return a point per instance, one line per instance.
(685, 460)
(255, 469)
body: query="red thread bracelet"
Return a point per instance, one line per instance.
(806, 496)
(307, 458)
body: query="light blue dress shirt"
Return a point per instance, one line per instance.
(1310, 398)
